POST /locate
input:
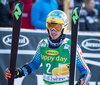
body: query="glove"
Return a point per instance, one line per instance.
(7, 73)
(18, 73)
(81, 83)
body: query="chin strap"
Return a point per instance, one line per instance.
(56, 43)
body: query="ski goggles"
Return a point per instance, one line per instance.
(57, 27)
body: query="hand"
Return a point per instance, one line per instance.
(18, 73)
(81, 83)
(7, 73)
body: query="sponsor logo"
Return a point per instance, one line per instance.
(17, 11)
(39, 78)
(23, 40)
(66, 46)
(75, 15)
(52, 52)
(91, 44)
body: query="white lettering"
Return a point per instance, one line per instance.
(9, 40)
(23, 40)
(19, 81)
(88, 44)
(91, 44)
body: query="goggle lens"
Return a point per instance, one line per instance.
(58, 27)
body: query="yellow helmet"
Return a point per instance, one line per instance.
(58, 17)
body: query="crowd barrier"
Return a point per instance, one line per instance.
(89, 43)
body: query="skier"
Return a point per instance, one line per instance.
(54, 54)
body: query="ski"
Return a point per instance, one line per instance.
(74, 34)
(15, 39)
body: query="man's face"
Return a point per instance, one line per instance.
(90, 5)
(54, 30)
(54, 34)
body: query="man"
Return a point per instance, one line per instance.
(40, 10)
(89, 17)
(54, 54)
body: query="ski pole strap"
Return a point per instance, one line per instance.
(19, 73)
